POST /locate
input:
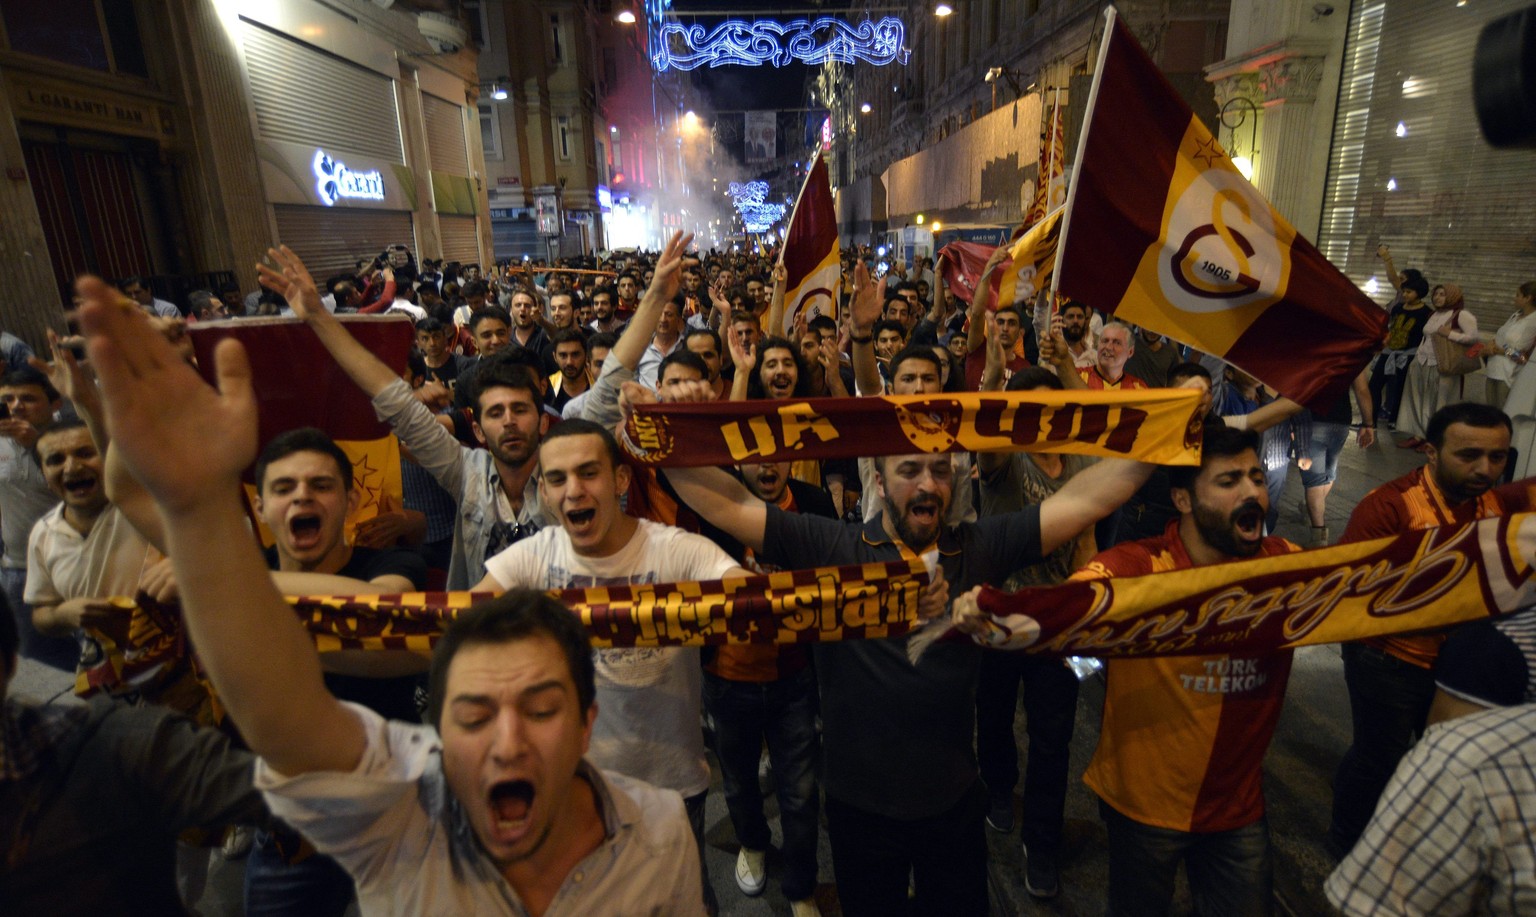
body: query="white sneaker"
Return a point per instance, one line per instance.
(806, 908)
(751, 871)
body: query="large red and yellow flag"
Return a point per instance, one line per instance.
(1163, 231)
(1051, 183)
(812, 258)
(298, 384)
(1032, 257)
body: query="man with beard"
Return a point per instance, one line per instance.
(573, 377)
(1391, 679)
(921, 817)
(1177, 768)
(562, 311)
(494, 487)
(1153, 357)
(1074, 327)
(628, 299)
(603, 316)
(528, 330)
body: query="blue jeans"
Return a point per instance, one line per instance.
(58, 652)
(1388, 703)
(1328, 441)
(1050, 712)
(1231, 873)
(874, 857)
(315, 886)
(783, 714)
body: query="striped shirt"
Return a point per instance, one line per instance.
(1453, 833)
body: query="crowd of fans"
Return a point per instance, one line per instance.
(523, 771)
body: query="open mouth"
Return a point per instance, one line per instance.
(580, 517)
(81, 487)
(304, 530)
(511, 801)
(781, 386)
(926, 512)
(1249, 521)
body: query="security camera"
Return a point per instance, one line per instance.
(993, 74)
(1319, 10)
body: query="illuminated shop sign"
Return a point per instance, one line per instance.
(334, 181)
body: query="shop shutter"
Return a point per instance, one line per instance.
(516, 238)
(445, 135)
(332, 239)
(460, 241)
(1408, 166)
(304, 95)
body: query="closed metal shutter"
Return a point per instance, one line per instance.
(304, 95)
(460, 241)
(331, 239)
(1408, 166)
(516, 238)
(446, 145)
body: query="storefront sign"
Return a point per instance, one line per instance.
(334, 181)
(57, 103)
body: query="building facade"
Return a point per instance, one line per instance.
(178, 140)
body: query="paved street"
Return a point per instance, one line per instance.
(1314, 731)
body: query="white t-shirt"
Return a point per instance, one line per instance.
(648, 698)
(62, 564)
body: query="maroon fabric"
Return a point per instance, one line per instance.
(812, 229)
(961, 267)
(1309, 346)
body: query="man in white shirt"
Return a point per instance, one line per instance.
(651, 697)
(495, 812)
(29, 401)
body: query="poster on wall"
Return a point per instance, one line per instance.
(762, 135)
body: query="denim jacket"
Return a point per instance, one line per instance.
(469, 475)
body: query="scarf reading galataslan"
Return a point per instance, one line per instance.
(1416, 581)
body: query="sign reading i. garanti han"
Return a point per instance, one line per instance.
(334, 181)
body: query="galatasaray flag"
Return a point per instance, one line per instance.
(1051, 185)
(298, 384)
(1163, 231)
(811, 255)
(1033, 258)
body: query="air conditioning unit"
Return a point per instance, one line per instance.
(443, 33)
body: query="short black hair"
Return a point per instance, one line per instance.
(475, 288)
(580, 426)
(891, 296)
(602, 339)
(18, 376)
(1414, 280)
(503, 374)
(823, 323)
(1178, 372)
(888, 324)
(917, 352)
(62, 425)
(566, 336)
(520, 614)
(1017, 313)
(302, 439)
(682, 357)
(1073, 304)
(495, 312)
(1219, 441)
(430, 325)
(1470, 413)
(1033, 377)
(710, 333)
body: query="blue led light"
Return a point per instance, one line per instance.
(757, 215)
(765, 41)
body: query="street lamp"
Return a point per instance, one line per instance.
(625, 16)
(864, 109)
(943, 10)
(1233, 114)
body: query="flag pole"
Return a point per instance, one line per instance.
(1082, 147)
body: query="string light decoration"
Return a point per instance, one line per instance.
(751, 199)
(759, 42)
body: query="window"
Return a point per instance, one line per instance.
(96, 34)
(490, 131)
(563, 137)
(556, 47)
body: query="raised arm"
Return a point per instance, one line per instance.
(776, 299)
(290, 279)
(983, 297)
(863, 311)
(1393, 277)
(188, 453)
(642, 325)
(1092, 494)
(723, 501)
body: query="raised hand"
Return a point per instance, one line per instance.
(186, 450)
(743, 355)
(290, 279)
(65, 373)
(668, 276)
(867, 301)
